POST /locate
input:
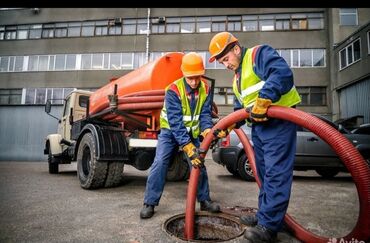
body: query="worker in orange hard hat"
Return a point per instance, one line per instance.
(186, 115)
(262, 78)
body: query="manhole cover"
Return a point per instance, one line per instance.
(208, 227)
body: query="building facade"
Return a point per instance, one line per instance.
(46, 53)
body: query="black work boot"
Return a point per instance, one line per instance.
(260, 234)
(147, 211)
(210, 206)
(249, 220)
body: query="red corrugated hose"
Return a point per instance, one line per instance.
(352, 159)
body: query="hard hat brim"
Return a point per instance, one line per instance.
(191, 74)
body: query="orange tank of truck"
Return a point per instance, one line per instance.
(140, 93)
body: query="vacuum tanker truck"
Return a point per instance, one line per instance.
(117, 124)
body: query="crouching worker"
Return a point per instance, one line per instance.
(186, 115)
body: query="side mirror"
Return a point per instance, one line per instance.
(48, 106)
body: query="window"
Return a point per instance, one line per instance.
(299, 22)
(313, 96)
(10, 32)
(97, 61)
(350, 54)
(187, 25)
(204, 24)
(348, 16)
(74, 29)
(82, 100)
(142, 27)
(173, 25)
(282, 21)
(157, 26)
(2, 32)
(48, 31)
(315, 20)
(127, 61)
(35, 31)
(318, 57)
(71, 62)
(286, 55)
(223, 96)
(85, 61)
(18, 66)
(234, 23)
(218, 23)
(4, 63)
(115, 61)
(60, 62)
(33, 63)
(40, 95)
(22, 32)
(266, 23)
(115, 30)
(129, 26)
(250, 23)
(303, 57)
(88, 28)
(101, 28)
(43, 63)
(51, 63)
(10, 96)
(60, 30)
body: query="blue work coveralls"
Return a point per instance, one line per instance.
(274, 141)
(169, 141)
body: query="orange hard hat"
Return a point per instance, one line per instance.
(192, 65)
(219, 42)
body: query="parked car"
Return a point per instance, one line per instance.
(312, 152)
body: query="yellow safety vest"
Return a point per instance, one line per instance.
(251, 84)
(191, 122)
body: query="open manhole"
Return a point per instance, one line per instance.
(209, 227)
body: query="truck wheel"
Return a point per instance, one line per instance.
(179, 169)
(91, 172)
(115, 174)
(230, 168)
(327, 173)
(53, 164)
(244, 168)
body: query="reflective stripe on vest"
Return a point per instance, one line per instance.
(190, 122)
(250, 85)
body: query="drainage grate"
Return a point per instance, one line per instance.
(208, 227)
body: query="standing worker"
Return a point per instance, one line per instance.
(186, 112)
(263, 78)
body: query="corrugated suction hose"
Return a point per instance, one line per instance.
(352, 159)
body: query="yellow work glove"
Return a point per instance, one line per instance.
(193, 153)
(223, 133)
(204, 134)
(259, 110)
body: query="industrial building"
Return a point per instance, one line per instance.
(47, 52)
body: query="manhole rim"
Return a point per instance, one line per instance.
(203, 213)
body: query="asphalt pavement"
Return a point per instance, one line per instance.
(36, 206)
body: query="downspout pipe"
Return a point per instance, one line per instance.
(351, 158)
(147, 37)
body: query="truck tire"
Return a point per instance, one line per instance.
(244, 168)
(179, 169)
(91, 172)
(53, 164)
(115, 174)
(327, 173)
(230, 168)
